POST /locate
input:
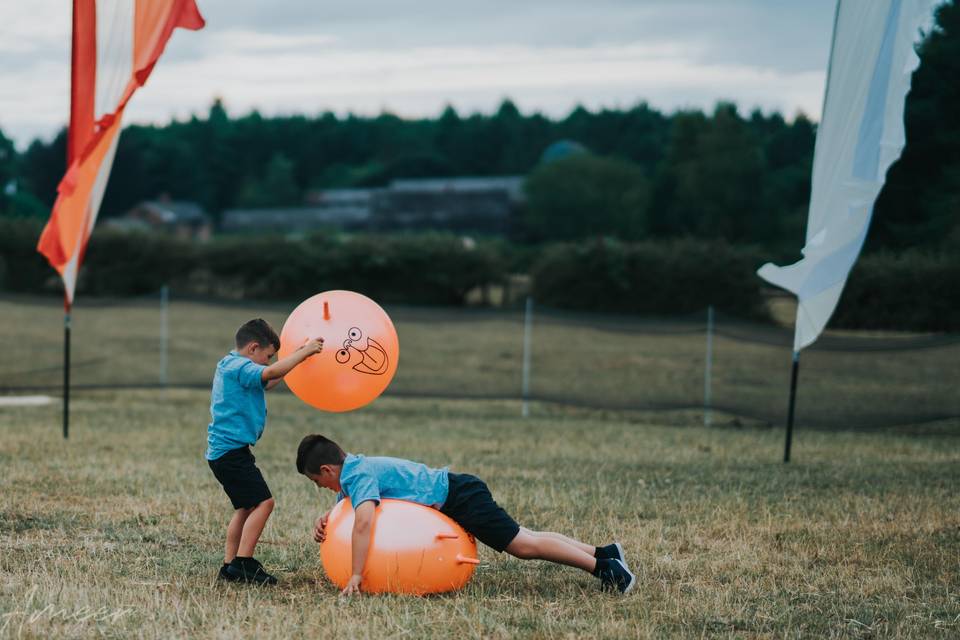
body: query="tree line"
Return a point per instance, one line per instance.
(636, 173)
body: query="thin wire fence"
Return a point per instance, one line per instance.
(726, 369)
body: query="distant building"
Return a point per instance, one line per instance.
(182, 219)
(348, 209)
(484, 204)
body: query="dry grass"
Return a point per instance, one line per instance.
(118, 531)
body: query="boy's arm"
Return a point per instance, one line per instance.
(273, 383)
(281, 368)
(362, 526)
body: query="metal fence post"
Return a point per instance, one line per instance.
(707, 372)
(164, 333)
(527, 330)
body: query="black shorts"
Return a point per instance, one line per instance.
(242, 481)
(470, 504)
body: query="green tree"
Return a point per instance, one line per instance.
(42, 167)
(129, 173)
(277, 188)
(585, 195)
(448, 138)
(220, 156)
(711, 184)
(788, 161)
(920, 201)
(674, 211)
(15, 198)
(8, 171)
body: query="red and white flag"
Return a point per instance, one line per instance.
(116, 43)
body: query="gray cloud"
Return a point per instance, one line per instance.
(784, 34)
(283, 57)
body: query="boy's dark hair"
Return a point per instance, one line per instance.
(259, 331)
(316, 450)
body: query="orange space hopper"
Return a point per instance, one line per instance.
(414, 549)
(360, 350)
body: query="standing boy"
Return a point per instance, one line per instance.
(239, 412)
(464, 498)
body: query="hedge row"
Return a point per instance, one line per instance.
(424, 269)
(21, 267)
(682, 277)
(911, 291)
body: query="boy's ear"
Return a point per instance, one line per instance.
(330, 469)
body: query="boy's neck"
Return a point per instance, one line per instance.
(244, 353)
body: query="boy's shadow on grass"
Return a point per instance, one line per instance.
(299, 581)
(306, 580)
(493, 583)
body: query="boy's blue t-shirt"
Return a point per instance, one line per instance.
(377, 477)
(237, 405)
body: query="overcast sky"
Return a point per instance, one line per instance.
(413, 57)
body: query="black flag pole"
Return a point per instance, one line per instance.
(66, 371)
(793, 403)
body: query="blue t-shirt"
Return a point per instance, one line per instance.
(377, 477)
(237, 405)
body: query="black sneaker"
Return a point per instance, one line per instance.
(249, 570)
(615, 575)
(612, 551)
(226, 575)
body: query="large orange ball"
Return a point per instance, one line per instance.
(413, 549)
(360, 350)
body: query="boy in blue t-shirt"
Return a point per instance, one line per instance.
(239, 412)
(464, 498)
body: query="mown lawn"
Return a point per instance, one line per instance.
(118, 531)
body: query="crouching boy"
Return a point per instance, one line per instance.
(463, 497)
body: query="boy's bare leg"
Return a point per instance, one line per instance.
(234, 531)
(586, 548)
(530, 547)
(253, 527)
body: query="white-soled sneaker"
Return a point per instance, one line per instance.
(616, 576)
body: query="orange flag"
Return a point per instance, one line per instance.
(115, 46)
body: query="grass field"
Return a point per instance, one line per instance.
(118, 531)
(598, 361)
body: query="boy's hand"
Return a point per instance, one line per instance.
(313, 346)
(320, 528)
(353, 586)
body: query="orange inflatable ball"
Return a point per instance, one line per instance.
(413, 549)
(360, 350)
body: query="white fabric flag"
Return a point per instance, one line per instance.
(861, 134)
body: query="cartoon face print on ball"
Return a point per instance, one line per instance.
(365, 355)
